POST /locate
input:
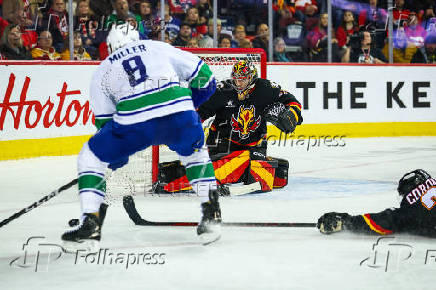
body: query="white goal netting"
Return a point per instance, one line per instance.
(141, 172)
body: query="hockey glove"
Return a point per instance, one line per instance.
(333, 222)
(281, 117)
(118, 164)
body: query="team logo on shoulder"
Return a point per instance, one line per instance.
(274, 84)
(245, 122)
(220, 85)
(283, 92)
(230, 104)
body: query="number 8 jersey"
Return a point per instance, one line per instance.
(148, 79)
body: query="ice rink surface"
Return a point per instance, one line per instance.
(359, 177)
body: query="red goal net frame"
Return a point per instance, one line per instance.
(223, 57)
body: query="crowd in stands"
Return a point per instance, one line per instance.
(38, 29)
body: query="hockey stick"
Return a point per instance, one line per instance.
(129, 206)
(39, 202)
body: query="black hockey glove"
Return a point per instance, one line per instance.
(333, 222)
(280, 116)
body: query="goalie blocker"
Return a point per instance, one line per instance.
(245, 166)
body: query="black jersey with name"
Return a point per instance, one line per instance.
(416, 214)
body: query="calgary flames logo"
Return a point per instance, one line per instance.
(245, 123)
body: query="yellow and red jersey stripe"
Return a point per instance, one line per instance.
(374, 226)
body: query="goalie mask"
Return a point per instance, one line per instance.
(120, 35)
(244, 75)
(411, 180)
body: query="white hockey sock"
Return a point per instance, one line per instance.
(90, 202)
(200, 173)
(92, 184)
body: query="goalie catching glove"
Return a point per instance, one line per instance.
(281, 117)
(333, 222)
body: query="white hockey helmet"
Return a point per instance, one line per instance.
(120, 35)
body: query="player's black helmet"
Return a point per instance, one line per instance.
(411, 180)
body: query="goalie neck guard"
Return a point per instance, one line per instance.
(244, 75)
(411, 180)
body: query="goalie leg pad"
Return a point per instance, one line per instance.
(263, 172)
(282, 172)
(172, 178)
(230, 168)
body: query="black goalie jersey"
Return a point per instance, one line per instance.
(241, 122)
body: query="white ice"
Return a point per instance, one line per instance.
(358, 178)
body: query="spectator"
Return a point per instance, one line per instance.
(122, 14)
(400, 13)
(238, 35)
(285, 16)
(403, 50)
(225, 41)
(147, 24)
(317, 41)
(207, 40)
(86, 25)
(307, 7)
(279, 50)
(56, 21)
(204, 11)
(143, 9)
(10, 9)
(347, 28)
(366, 52)
(415, 32)
(245, 43)
(193, 43)
(193, 19)
(101, 9)
(306, 11)
(79, 51)
(262, 38)
(426, 54)
(428, 18)
(374, 19)
(167, 38)
(12, 45)
(181, 6)
(184, 35)
(172, 24)
(45, 50)
(19, 17)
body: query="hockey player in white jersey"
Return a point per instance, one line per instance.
(145, 93)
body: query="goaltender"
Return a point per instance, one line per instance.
(237, 140)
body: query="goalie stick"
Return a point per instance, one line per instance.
(39, 202)
(129, 206)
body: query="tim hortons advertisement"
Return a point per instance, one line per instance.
(45, 101)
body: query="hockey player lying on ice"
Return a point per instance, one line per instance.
(237, 137)
(416, 215)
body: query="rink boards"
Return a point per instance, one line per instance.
(44, 107)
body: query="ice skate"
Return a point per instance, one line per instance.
(209, 228)
(86, 236)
